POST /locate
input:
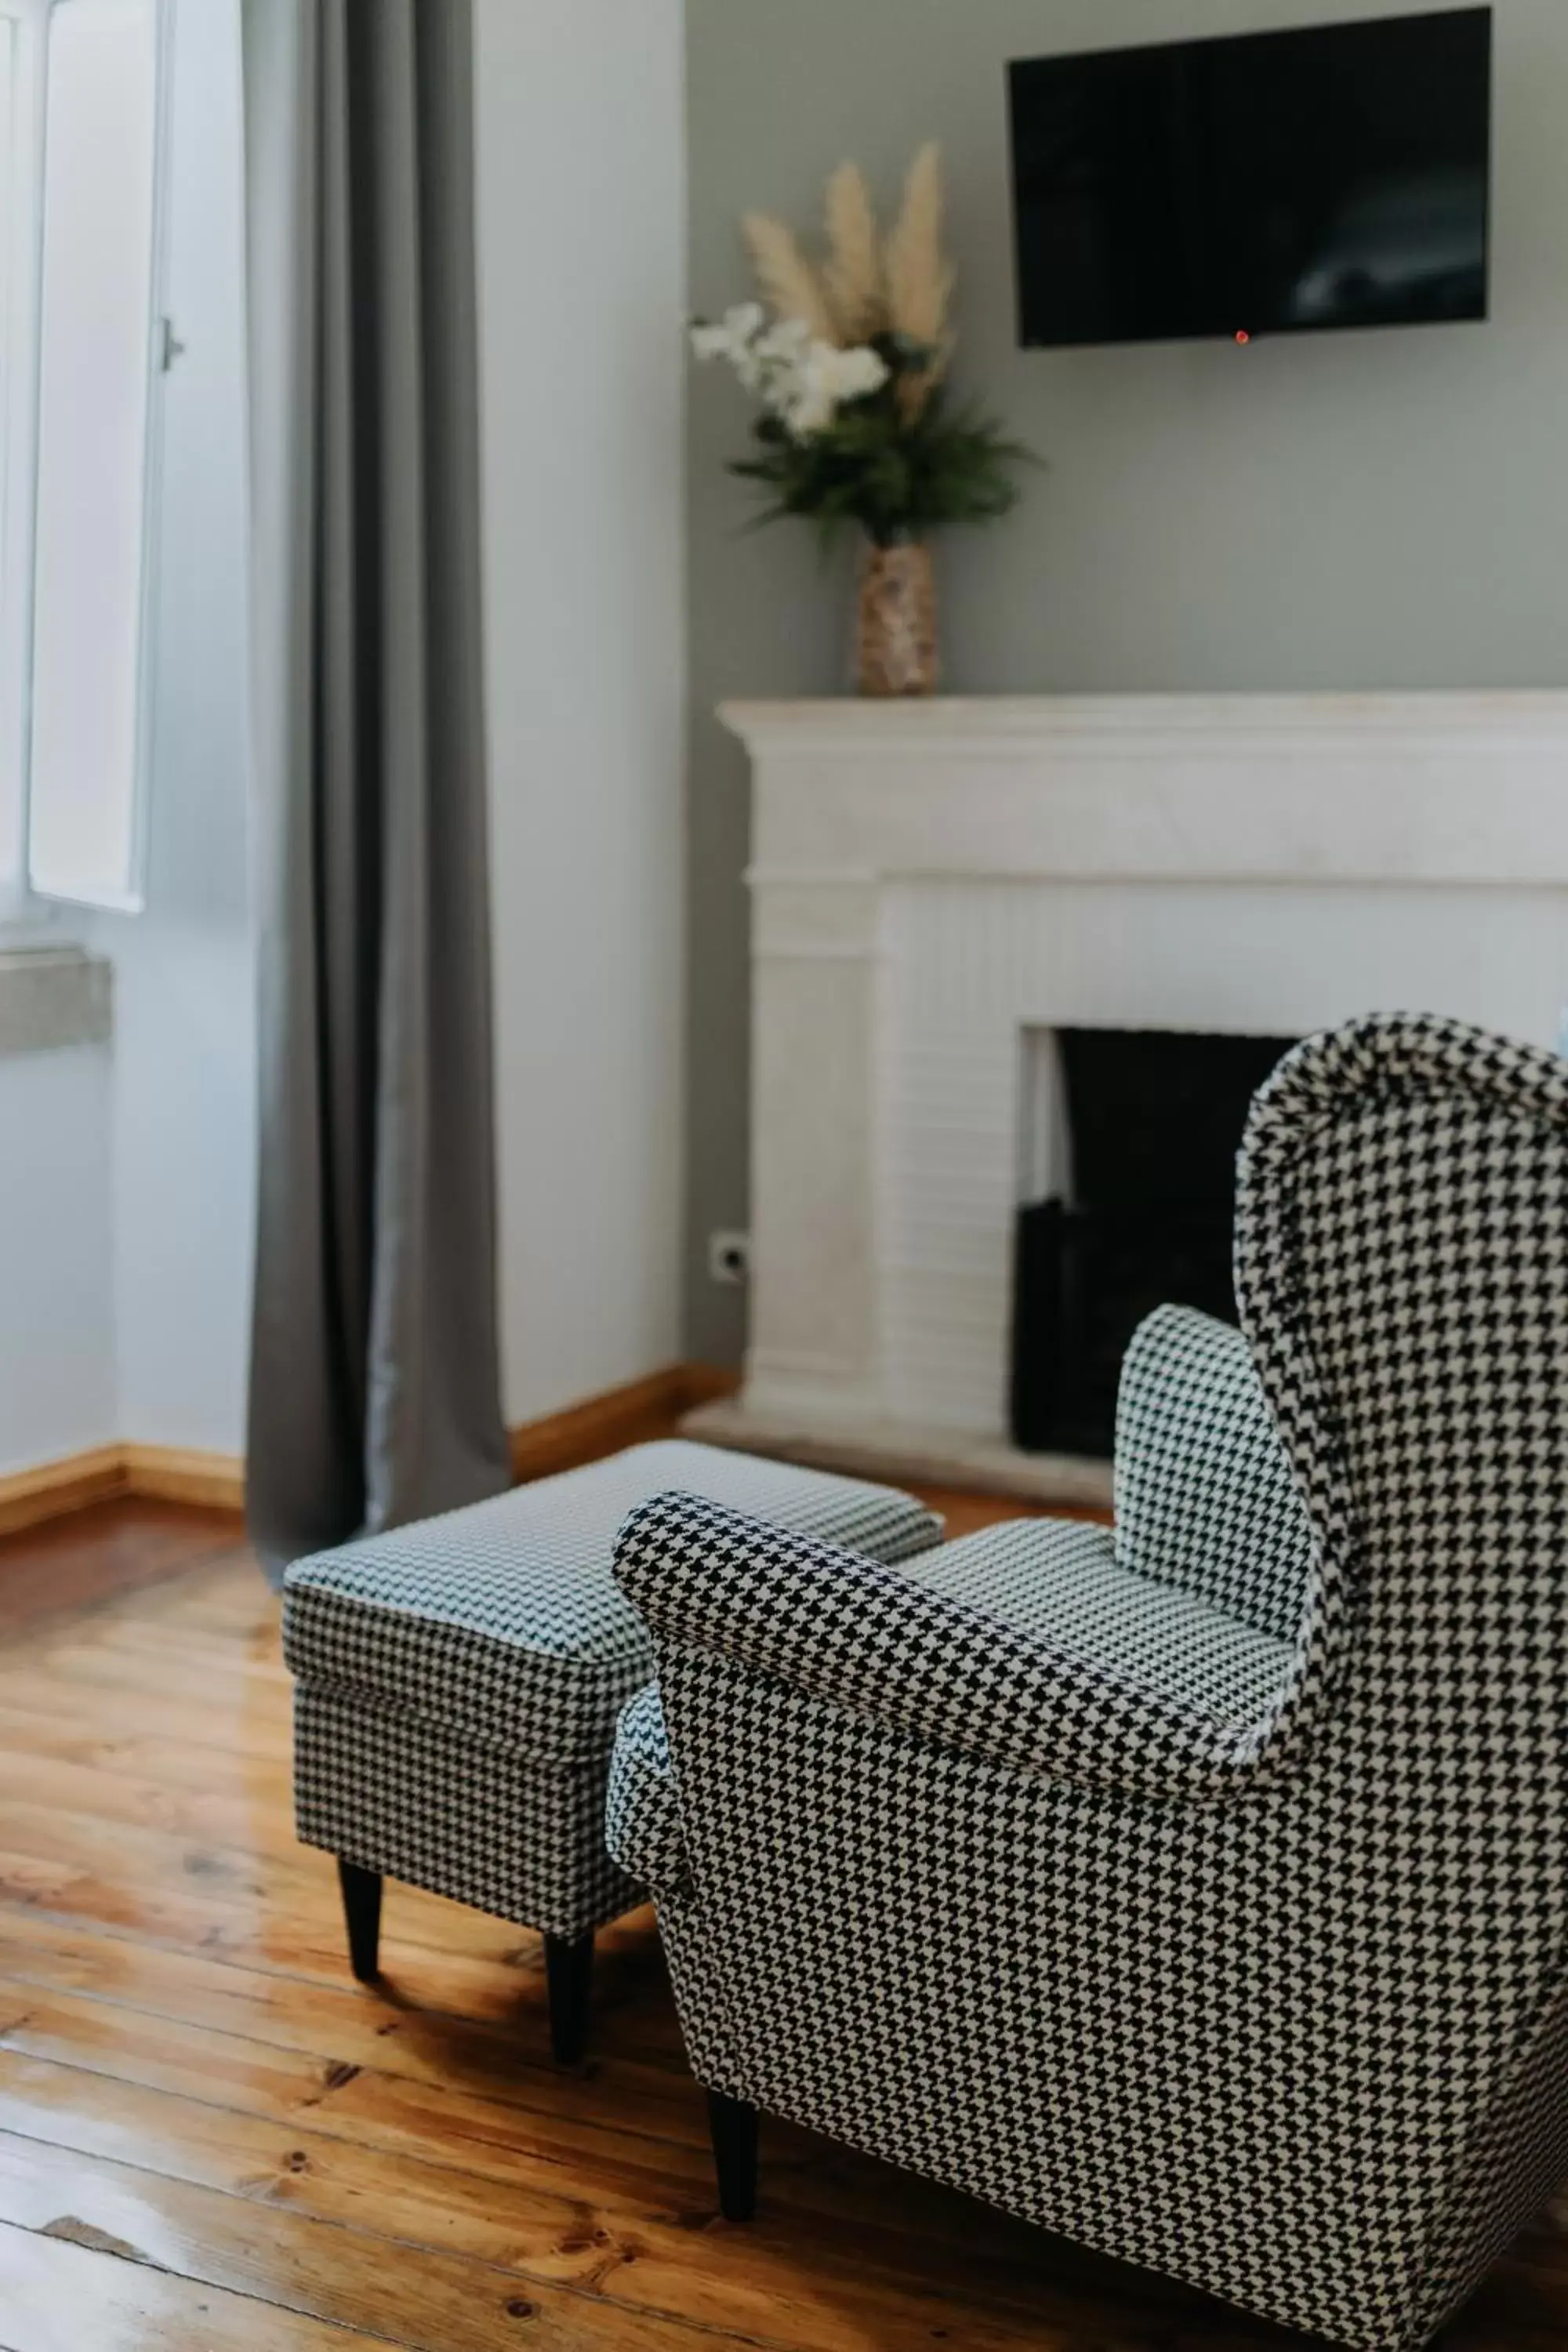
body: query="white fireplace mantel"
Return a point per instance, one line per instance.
(932, 881)
(1399, 788)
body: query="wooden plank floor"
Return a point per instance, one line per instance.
(211, 2140)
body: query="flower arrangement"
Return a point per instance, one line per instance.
(847, 361)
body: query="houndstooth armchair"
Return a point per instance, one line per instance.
(1200, 1892)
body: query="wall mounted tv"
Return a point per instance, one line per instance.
(1271, 183)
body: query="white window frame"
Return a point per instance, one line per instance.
(22, 905)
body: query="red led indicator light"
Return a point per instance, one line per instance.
(1242, 336)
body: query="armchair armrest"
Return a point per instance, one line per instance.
(891, 1651)
(1205, 1496)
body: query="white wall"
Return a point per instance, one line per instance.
(56, 1325)
(582, 281)
(184, 1062)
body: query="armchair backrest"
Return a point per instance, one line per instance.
(1205, 1496)
(1403, 1273)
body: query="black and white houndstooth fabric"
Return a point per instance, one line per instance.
(1064, 1585)
(1204, 1496)
(458, 1682)
(1250, 1966)
(642, 1808)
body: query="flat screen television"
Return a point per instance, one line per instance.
(1265, 185)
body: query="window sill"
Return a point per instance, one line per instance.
(54, 997)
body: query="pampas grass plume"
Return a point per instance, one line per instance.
(919, 276)
(853, 274)
(786, 278)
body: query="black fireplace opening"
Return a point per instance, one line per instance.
(1147, 1123)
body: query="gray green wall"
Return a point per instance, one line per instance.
(1386, 510)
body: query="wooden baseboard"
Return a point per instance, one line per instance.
(624, 1416)
(173, 1473)
(177, 1473)
(29, 1496)
(167, 1474)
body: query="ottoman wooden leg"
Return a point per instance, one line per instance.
(362, 1913)
(734, 2125)
(568, 1970)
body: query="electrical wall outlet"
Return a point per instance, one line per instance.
(729, 1259)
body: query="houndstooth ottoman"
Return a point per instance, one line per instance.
(457, 1685)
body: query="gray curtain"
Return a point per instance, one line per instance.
(374, 1391)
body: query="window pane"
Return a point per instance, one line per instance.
(95, 332)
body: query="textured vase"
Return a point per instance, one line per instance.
(895, 649)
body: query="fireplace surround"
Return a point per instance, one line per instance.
(934, 882)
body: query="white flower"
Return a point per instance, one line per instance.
(810, 411)
(788, 343)
(857, 373)
(822, 381)
(733, 336)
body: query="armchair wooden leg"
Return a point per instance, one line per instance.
(362, 1913)
(734, 2125)
(568, 1970)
